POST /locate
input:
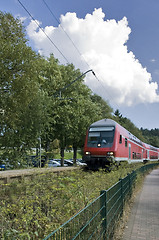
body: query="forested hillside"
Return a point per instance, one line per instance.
(148, 136)
(151, 136)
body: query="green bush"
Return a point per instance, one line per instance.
(34, 208)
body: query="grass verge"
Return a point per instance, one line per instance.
(34, 208)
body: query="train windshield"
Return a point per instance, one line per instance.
(100, 137)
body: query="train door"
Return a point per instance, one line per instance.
(129, 152)
(142, 157)
(147, 154)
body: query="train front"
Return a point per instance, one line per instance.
(99, 149)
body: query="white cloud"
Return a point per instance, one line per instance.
(22, 19)
(102, 43)
(152, 60)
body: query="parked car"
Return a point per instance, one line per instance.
(2, 167)
(80, 162)
(56, 163)
(36, 162)
(53, 163)
(59, 161)
(69, 162)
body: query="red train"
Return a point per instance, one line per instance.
(108, 142)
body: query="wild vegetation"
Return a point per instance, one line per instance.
(151, 136)
(148, 136)
(32, 209)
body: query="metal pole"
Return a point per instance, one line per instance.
(68, 85)
(39, 151)
(104, 214)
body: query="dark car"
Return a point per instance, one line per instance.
(2, 167)
(36, 161)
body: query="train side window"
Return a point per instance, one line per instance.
(126, 142)
(120, 139)
(133, 155)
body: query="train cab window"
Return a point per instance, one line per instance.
(126, 142)
(101, 136)
(120, 139)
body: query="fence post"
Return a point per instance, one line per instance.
(104, 213)
(129, 177)
(122, 199)
(134, 176)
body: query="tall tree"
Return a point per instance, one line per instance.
(50, 81)
(21, 99)
(128, 124)
(105, 109)
(77, 110)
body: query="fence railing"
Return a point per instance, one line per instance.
(98, 220)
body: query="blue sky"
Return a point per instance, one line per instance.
(128, 67)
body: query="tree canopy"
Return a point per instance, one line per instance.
(30, 104)
(21, 98)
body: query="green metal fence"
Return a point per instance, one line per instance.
(115, 198)
(98, 219)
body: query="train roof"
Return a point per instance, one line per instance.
(109, 122)
(148, 146)
(104, 122)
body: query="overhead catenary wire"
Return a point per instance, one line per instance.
(43, 31)
(48, 7)
(78, 51)
(67, 61)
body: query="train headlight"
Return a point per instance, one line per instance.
(110, 153)
(87, 153)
